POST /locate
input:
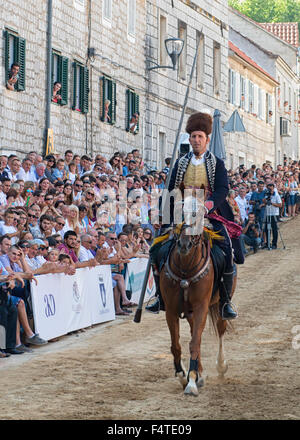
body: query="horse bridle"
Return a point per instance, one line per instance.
(185, 282)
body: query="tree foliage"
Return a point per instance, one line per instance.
(269, 11)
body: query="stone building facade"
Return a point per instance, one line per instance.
(280, 60)
(115, 69)
(166, 88)
(252, 91)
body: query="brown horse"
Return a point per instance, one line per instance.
(186, 284)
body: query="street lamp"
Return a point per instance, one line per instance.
(174, 48)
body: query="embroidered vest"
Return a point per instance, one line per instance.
(195, 176)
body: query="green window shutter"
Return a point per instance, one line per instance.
(102, 96)
(84, 90)
(20, 55)
(64, 80)
(113, 102)
(7, 60)
(74, 85)
(128, 109)
(137, 109)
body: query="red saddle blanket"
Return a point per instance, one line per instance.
(234, 230)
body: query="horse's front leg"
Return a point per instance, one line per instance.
(195, 370)
(173, 324)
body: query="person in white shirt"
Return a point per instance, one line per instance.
(25, 172)
(84, 253)
(15, 169)
(242, 203)
(8, 228)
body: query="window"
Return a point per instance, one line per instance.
(79, 5)
(242, 92)
(162, 36)
(217, 67)
(251, 97)
(182, 33)
(232, 91)
(15, 48)
(60, 68)
(132, 111)
(107, 100)
(162, 153)
(80, 88)
(269, 108)
(131, 17)
(107, 11)
(200, 60)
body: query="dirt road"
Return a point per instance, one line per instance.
(123, 370)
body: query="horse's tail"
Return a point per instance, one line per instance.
(215, 317)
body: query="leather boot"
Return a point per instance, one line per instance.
(226, 310)
(159, 303)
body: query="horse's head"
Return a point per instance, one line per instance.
(192, 228)
(185, 240)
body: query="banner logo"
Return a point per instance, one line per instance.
(102, 291)
(76, 293)
(50, 305)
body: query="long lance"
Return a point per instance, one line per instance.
(138, 312)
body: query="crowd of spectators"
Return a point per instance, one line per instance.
(58, 214)
(262, 197)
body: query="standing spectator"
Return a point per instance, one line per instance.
(242, 203)
(234, 206)
(272, 203)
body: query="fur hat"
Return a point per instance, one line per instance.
(199, 122)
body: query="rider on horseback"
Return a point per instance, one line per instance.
(198, 169)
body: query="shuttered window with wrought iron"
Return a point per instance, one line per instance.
(15, 52)
(60, 71)
(132, 107)
(80, 88)
(107, 100)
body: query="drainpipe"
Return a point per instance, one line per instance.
(49, 71)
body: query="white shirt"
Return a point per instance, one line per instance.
(243, 205)
(35, 262)
(197, 161)
(9, 230)
(273, 210)
(3, 200)
(26, 176)
(85, 254)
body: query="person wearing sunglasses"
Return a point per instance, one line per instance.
(59, 226)
(77, 190)
(85, 253)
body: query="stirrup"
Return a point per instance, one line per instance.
(228, 314)
(154, 308)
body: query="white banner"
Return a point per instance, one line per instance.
(134, 279)
(64, 303)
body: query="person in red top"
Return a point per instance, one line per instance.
(68, 248)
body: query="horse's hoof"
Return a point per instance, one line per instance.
(182, 378)
(191, 389)
(222, 368)
(200, 382)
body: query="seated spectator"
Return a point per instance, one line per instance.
(251, 234)
(8, 227)
(68, 247)
(85, 253)
(59, 173)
